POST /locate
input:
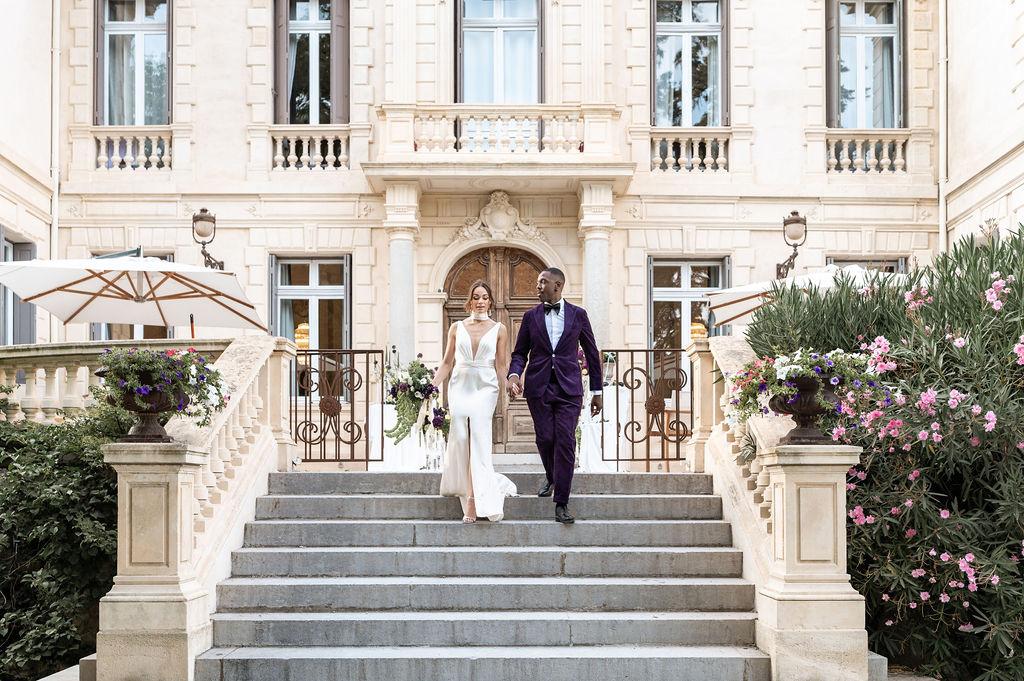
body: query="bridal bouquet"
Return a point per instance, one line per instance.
(415, 400)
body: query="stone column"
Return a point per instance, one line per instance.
(402, 224)
(596, 224)
(592, 39)
(810, 620)
(155, 619)
(702, 401)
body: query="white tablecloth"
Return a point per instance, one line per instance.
(592, 460)
(407, 455)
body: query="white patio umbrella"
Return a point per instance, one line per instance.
(132, 290)
(737, 305)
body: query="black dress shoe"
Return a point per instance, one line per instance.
(546, 490)
(562, 514)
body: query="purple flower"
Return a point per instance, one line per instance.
(122, 382)
(817, 370)
(762, 387)
(834, 380)
(142, 390)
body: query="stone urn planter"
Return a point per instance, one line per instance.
(805, 409)
(148, 407)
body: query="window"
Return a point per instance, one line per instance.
(311, 52)
(866, 63)
(499, 48)
(17, 318)
(133, 62)
(891, 266)
(688, 48)
(311, 303)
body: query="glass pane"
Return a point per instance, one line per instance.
(154, 332)
(878, 13)
(670, 11)
(705, 12)
(478, 9)
(121, 80)
(298, 78)
(294, 274)
(478, 67)
(332, 274)
(156, 10)
(524, 280)
(705, 276)
(667, 321)
(300, 10)
(520, 61)
(332, 323)
(698, 320)
(120, 332)
(847, 14)
(120, 10)
(156, 78)
(705, 90)
(880, 94)
(294, 322)
(325, 78)
(668, 83)
(848, 82)
(667, 276)
(325, 10)
(519, 9)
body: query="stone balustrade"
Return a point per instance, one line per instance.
(690, 150)
(310, 147)
(133, 148)
(182, 509)
(52, 380)
(882, 151)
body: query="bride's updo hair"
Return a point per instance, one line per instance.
(479, 283)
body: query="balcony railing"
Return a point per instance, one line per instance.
(882, 152)
(483, 129)
(310, 147)
(690, 150)
(134, 148)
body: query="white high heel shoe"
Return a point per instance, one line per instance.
(470, 519)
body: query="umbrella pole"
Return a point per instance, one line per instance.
(192, 324)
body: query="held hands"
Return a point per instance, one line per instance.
(515, 387)
(596, 404)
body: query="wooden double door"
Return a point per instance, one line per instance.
(512, 275)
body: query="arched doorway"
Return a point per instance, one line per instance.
(512, 275)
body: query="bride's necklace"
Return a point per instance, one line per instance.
(480, 316)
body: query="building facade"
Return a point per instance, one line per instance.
(648, 148)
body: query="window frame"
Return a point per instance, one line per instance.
(313, 292)
(722, 28)
(834, 35)
(499, 24)
(6, 296)
(101, 46)
(339, 67)
(899, 263)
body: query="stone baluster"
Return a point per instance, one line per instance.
(72, 401)
(304, 158)
(656, 158)
(885, 164)
(722, 160)
(871, 160)
(491, 144)
(533, 131)
(899, 165)
(343, 151)
(574, 135)
(279, 157)
(449, 132)
(293, 158)
(115, 152)
(844, 155)
(318, 158)
(830, 146)
(559, 124)
(331, 159)
(858, 161)
(438, 130)
(547, 141)
(101, 156)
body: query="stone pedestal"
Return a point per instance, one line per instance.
(810, 620)
(402, 225)
(702, 401)
(155, 619)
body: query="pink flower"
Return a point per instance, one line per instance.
(935, 425)
(931, 552)
(944, 557)
(994, 579)
(895, 510)
(976, 409)
(909, 503)
(925, 596)
(943, 514)
(914, 475)
(975, 441)
(1020, 445)
(912, 606)
(967, 627)
(990, 421)
(911, 533)
(944, 597)
(888, 623)
(972, 587)
(862, 475)
(885, 597)
(959, 342)
(923, 435)
(997, 305)
(919, 572)
(869, 519)
(967, 604)
(969, 557)
(936, 437)
(838, 432)
(850, 487)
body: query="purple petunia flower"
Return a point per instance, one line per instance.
(834, 380)
(142, 390)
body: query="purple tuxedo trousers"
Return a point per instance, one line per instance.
(555, 415)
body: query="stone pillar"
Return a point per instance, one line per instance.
(155, 619)
(596, 224)
(702, 401)
(592, 39)
(402, 224)
(403, 53)
(810, 620)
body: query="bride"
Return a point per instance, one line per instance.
(476, 360)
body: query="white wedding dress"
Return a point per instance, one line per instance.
(472, 398)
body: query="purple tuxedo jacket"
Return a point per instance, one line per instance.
(534, 346)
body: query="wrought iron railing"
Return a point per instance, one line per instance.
(332, 394)
(653, 423)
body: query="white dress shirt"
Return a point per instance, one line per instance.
(555, 323)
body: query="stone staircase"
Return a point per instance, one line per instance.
(371, 576)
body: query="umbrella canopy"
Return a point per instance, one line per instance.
(737, 305)
(132, 290)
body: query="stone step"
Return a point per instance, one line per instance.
(426, 561)
(496, 628)
(593, 663)
(418, 506)
(526, 483)
(326, 594)
(506, 533)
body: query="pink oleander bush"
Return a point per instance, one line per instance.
(936, 505)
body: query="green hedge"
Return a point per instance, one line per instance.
(58, 540)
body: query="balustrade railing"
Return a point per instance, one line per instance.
(867, 151)
(310, 147)
(690, 150)
(133, 148)
(490, 129)
(52, 380)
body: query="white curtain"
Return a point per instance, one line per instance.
(520, 67)
(293, 44)
(882, 92)
(121, 80)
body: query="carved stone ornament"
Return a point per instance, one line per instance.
(500, 221)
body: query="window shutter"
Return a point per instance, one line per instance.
(340, 71)
(281, 61)
(458, 50)
(24, 313)
(652, 85)
(724, 46)
(170, 61)
(272, 321)
(901, 71)
(832, 63)
(99, 74)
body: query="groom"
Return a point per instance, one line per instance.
(548, 338)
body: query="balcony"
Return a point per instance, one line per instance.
(144, 155)
(690, 150)
(305, 148)
(494, 146)
(867, 151)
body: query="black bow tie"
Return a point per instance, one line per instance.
(553, 307)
